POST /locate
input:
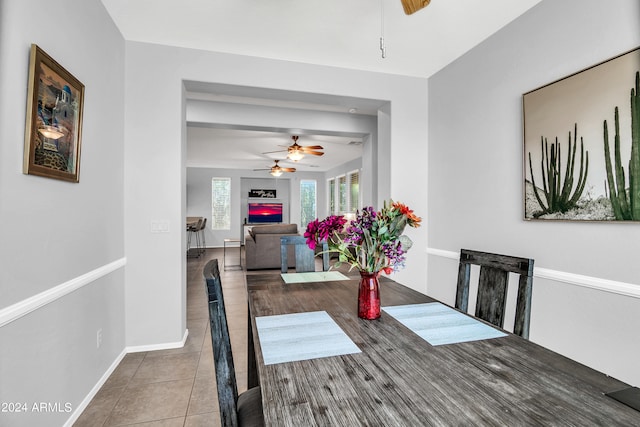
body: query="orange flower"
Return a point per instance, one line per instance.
(404, 209)
(412, 219)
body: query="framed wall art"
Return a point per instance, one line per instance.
(262, 194)
(581, 144)
(53, 132)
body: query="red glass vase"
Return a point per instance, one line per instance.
(369, 296)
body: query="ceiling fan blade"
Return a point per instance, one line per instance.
(314, 153)
(288, 169)
(313, 147)
(267, 169)
(412, 6)
(271, 152)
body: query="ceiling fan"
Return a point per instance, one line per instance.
(296, 152)
(276, 169)
(412, 6)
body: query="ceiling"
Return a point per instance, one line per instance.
(341, 33)
(244, 149)
(330, 32)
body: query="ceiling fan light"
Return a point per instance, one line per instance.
(295, 155)
(276, 172)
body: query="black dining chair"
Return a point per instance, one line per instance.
(305, 256)
(235, 410)
(492, 287)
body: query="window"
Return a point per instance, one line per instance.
(221, 203)
(331, 185)
(354, 191)
(342, 194)
(344, 191)
(308, 210)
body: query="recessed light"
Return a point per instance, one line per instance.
(353, 110)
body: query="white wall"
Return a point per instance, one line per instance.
(475, 182)
(155, 163)
(57, 236)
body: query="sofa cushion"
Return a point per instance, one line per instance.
(274, 229)
(262, 247)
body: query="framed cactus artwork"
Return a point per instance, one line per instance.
(582, 144)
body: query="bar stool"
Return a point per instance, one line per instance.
(194, 229)
(203, 245)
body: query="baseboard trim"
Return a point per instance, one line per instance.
(605, 285)
(156, 347)
(26, 306)
(133, 349)
(85, 402)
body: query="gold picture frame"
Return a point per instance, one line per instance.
(53, 133)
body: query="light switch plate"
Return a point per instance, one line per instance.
(159, 226)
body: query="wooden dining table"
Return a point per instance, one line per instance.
(400, 379)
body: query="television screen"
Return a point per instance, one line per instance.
(265, 212)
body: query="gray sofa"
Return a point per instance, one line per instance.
(262, 246)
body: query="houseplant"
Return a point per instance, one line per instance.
(373, 243)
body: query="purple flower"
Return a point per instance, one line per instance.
(318, 231)
(394, 253)
(312, 233)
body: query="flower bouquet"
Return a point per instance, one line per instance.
(373, 242)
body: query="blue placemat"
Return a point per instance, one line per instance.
(318, 276)
(438, 324)
(301, 336)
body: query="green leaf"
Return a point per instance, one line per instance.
(406, 242)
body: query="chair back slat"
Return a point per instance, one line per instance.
(493, 286)
(492, 295)
(304, 256)
(221, 343)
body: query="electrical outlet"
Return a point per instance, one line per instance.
(99, 338)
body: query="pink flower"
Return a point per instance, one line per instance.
(317, 231)
(312, 233)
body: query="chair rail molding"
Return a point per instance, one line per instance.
(605, 285)
(26, 306)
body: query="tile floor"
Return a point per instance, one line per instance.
(176, 387)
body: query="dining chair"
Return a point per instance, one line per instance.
(492, 287)
(305, 256)
(243, 409)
